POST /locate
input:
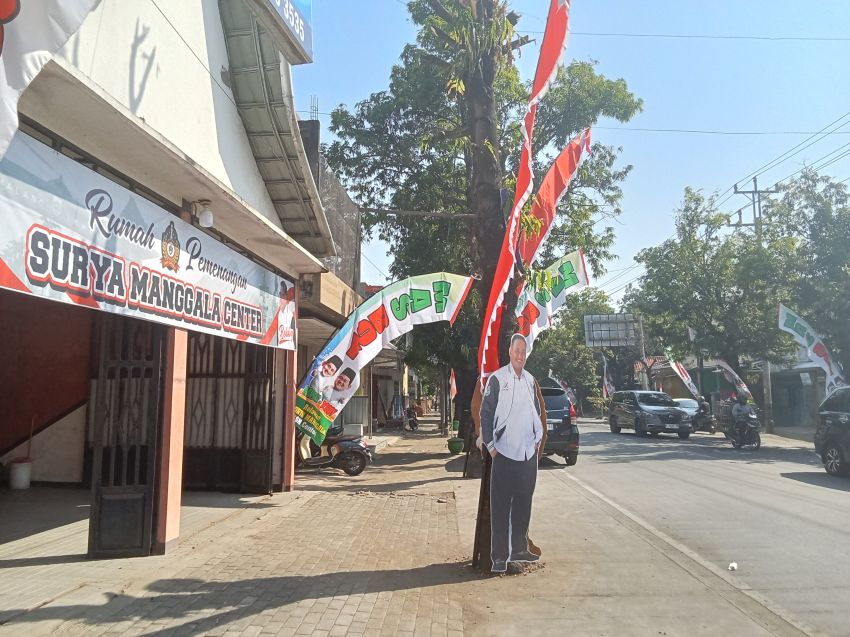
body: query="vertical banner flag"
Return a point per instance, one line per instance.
(554, 39)
(30, 33)
(535, 309)
(334, 375)
(452, 386)
(552, 189)
(732, 377)
(565, 386)
(692, 335)
(683, 374)
(818, 353)
(607, 386)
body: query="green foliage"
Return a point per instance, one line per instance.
(454, 103)
(812, 215)
(724, 284)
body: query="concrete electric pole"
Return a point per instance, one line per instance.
(755, 197)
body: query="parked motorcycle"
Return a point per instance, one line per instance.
(349, 453)
(744, 432)
(412, 421)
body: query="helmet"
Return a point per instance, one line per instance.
(742, 398)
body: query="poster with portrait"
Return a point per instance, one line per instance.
(334, 375)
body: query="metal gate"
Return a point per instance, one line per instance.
(229, 416)
(125, 426)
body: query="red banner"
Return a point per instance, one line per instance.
(554, 39)
(552, 189)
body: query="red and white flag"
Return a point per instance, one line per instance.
(552, 189)
(31, 31)
(554, 40)
(452, 386)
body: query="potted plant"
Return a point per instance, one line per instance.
(20, 469)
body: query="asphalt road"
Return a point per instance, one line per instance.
(774, 511)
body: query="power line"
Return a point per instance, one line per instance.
(699, 131)
(701, 36)
(380, 271)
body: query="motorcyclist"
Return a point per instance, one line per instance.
(740, 410)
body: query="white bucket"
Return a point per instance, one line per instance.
(19, 475)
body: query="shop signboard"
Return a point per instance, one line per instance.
(69, 234)
(334, 375)
(297, 15)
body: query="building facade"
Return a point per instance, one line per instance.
(159, 217)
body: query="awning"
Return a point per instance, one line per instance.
(262, 85)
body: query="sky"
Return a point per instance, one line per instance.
(786, 78)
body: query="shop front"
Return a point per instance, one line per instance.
(140, 355)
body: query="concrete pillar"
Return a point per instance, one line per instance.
(170, 465)
(288, 448)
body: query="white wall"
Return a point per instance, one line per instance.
(170, 76)
(57, 451)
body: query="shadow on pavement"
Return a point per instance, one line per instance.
(820, 479)
(231, 601)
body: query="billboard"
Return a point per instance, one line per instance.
(297, 15)
(612, 330)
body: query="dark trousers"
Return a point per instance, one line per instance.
(512, 485)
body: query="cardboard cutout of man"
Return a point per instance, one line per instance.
(512, 430)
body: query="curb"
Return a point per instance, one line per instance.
(381, 444)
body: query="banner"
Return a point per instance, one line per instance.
(452, 386)
(683, 374)
(334, 375)
(608, 388)
(732, 377)
(818, 353)
(69, 234)
(565, 386)
(554, 39)
(30, 33)
(535, 309)
(552, 189)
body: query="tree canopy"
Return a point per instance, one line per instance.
(725, 285)
(445, 136)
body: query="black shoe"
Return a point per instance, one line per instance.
(524, 556)
(499, 567)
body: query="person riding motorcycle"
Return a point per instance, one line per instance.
(740, 410)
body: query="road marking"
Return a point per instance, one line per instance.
(737, 584)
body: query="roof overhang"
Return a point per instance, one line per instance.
(261, 82)
(67, 103)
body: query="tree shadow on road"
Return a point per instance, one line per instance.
(209, 604)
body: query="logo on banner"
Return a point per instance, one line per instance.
(170, 248)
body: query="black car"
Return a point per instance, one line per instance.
(648, 412)
(563, 434)
(832, 438)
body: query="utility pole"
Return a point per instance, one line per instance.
(755, 197)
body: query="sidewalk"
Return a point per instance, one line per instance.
(386, 553)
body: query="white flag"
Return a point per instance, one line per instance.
(31, 31)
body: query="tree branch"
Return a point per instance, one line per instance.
(519, 42)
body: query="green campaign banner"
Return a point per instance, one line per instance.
(816, 349)
(334, 375)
